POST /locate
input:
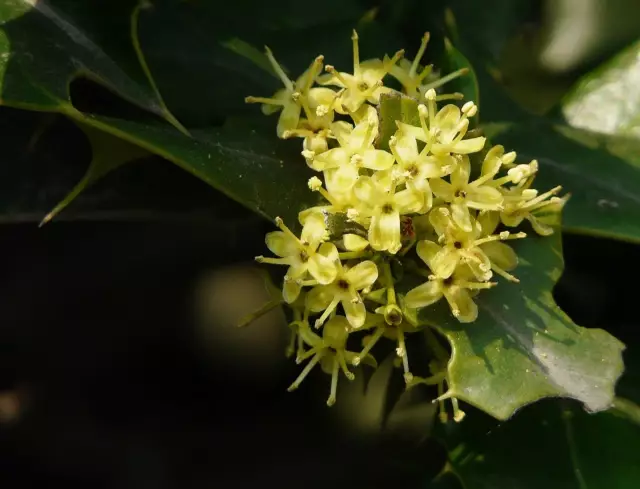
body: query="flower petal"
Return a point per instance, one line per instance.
(322, 269)
(540, 227)
(426, 251)
(424, 295)
(355, 312)
(363, 275)
(281, 244)
(367, 192)
(341, 131)
(460, 215)
(492, 161)
(407, 149)
(467, 146)
(314, 230)
(501, 254)
(353, 242)
(290, 291)
(334, 158)
(384, 232)
(377, 159)
(460, 176)
(484, 197)
(442, 189)
(408, 201)
(488, 222)
(445, 262)
(342, 180)
(319, 298)
(289, 118)
(462, 305)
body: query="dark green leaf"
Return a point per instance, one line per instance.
(44, 45)
(44, 155)
(607, 100)
(523, 347)
(553, 443)
(108, 153)
(244, 160)
(395, 107)
(467, 84)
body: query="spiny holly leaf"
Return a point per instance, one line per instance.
(550, 441)
(601, 172)
(108, 153)
(243, 160)
(523, 347)
(46, 44)
(607, 100)
(44, 155)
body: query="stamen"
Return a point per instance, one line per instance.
(278, 69)
(419, 54)
(450, 96)
(320, 321)
(281, 225)
(504, 273)
(343, 365)
(336, 73)
(370, 344)
(314, 70)
(273, 261)
(356, 53)
(446, 79)
(533, 202)
(305, 372)
(475, 285)
(334, 383)
(263, 100)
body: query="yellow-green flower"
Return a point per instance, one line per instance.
(457, 289)
(481, 250)
(330, 351)
(365, 84)
(356, 151)
(383, 205)
(415, 168)
(344, 290)
(291, 99)
(309, 254)
(464, 195)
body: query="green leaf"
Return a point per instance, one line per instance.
(467, 84)
(203, 54)
(243, 159)
(601, 172)
(45, 45)
(45, 154)
(523, 347)
(553, 443)
(607, 100)
(108, 153)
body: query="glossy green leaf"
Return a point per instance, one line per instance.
(552, 444)
(45, 45)
(244, 160)
(601, 172)
(108, 153)
(395, 107)
(607, 100)
(523, 347)
(467, 84)
(44, 155)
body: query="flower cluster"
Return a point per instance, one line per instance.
(436, 190)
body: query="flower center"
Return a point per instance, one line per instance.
(457, 245)
(387, 209)
(412, 170)
(304, 257)
(460, 193)
(343, 284)
(363, 86)
(447, 281)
